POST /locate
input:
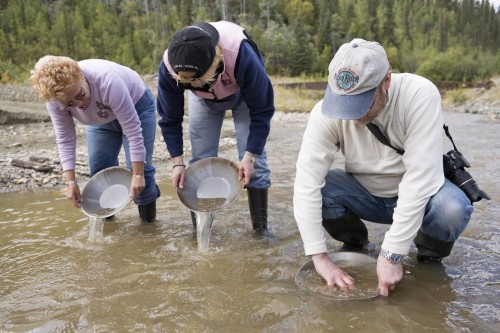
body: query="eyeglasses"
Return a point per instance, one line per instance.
(79, 97)
(206, 79)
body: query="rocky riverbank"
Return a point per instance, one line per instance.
(29, 157)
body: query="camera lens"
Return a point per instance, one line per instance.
(467, 184)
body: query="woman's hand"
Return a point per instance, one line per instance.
(246, 169)
(138, 183)
(72, 188)
(178, 174)
(137, 186)
(73, 193)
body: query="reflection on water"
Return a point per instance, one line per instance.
(152, 277)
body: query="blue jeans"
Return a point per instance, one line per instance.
(446, 215)
(104, 143)
(205, 126)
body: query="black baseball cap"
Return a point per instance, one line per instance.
(193, 48)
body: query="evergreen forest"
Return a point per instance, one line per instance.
(456, 40)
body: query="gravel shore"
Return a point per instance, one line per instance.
(33, 144)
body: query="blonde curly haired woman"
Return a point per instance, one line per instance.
(117, 109)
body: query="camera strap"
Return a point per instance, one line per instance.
(382, 138)
(473, 192)
(449, 137)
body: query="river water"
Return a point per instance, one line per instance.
(134, 277)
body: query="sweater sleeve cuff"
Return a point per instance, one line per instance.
(396, 247)
(315, 248)
(68, 165)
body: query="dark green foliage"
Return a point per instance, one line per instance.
(442, 39)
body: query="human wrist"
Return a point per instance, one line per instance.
(178, 165)
(319, 256)
(71, 182)
(249, 156)
(178, 160)
(393, 258)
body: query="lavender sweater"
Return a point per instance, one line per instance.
(114, 90)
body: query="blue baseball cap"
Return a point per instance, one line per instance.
(354, 74)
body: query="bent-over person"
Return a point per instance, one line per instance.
(118, 110)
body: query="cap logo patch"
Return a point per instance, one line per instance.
(346, 79)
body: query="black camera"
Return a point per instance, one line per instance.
(454, 164)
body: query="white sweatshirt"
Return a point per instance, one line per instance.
(412, 121)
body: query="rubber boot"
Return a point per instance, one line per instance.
(147, 212)
(431, 249)
(348, 229)
(257, 203)
(193, 218)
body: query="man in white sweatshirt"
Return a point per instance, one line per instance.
(408, 191)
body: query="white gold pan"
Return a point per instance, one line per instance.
(211, 184)
(107, 192)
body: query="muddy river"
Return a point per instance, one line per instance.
(55, 277)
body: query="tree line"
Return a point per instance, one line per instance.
(441, 39)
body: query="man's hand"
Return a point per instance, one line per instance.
(388, 275)
(333, 275)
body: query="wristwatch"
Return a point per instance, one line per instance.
(394, 258)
